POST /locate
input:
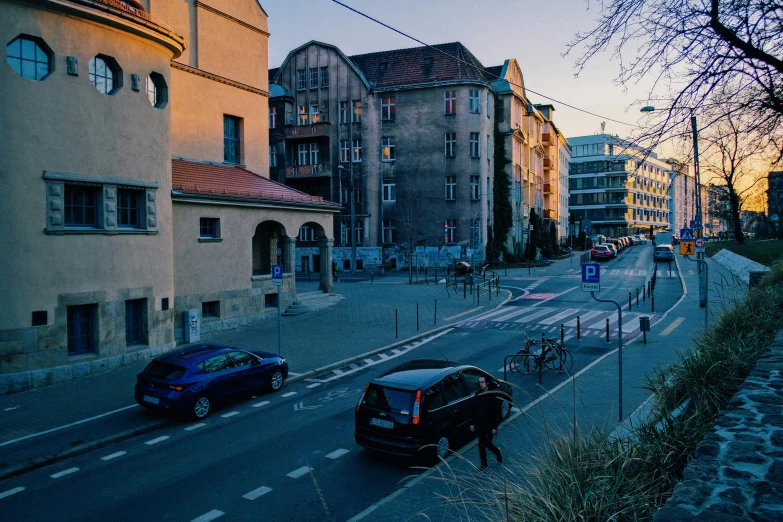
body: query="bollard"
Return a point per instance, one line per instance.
(637, 297)
(435, 320)
(644, 293)
(417, 317)
(607, 329)
(578, 329)
(562, 333)
(652, 297)
(629, 301)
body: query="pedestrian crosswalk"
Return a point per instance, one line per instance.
(547, 320)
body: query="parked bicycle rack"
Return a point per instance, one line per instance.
(535, 357)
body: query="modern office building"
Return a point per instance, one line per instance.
(616, 187)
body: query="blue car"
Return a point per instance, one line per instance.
(195, 379)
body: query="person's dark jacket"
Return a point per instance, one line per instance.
(486, 409)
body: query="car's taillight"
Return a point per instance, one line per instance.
(417, 407)
(361, 398)
(179, 387)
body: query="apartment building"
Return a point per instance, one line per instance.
(557, 158)
(683, 195)
(617, 187)
(408, 132)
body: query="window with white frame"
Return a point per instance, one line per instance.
(388, 231)
(306, 233)
(451, 188)
(475, 232)
(356, 114)
(474, 188)
(344, 233)
(475, 148)
(324, 77)
(450, 102)
(356, 148)
(387, 149)
(313, 78)
(344, 112)
(315, 155)
(303, 115)
(302, 154)
(388, 108)
(272, 158)
(345, 151)
(389, 190)
(474, 105)
(272, 117)
(315, 115)
(450, 144)
(345, 195)
(451, 230)
(301, 79)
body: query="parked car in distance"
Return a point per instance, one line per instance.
(422, 402)
(663, 253)
(196, 379)
(641, 239)
(617, 243)
(601, 252)
(612, 248)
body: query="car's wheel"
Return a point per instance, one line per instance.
(505, 410)
(276, 380)
(202, 407)
(443, 446)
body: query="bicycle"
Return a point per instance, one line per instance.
(553, 356)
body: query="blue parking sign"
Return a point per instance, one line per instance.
(591, 277)
(277, 275)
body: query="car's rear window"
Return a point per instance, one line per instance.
(388, 399)
(663, 249)
(164, 370)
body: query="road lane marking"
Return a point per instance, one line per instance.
(510, 313)
(314, 385)
(337, 454)
(288, 394)
(64, 472)
(114, 455)
(263, 490)
(369, 361)
(11, 408)
(353, 366)
(67, 425)
(463, 313)
(206, 517)
(259, 404)
(294, 374)
(538, 313)
(583, 318)
(669, 329)
(196, 426)
(561, 315)
(155, 441)
(11, 492)
(304, 470)
(230, 414)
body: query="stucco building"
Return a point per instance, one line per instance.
(135, 164)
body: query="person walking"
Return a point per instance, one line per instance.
(485, 420)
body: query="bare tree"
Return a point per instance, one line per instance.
(731, 160)
(692, 48)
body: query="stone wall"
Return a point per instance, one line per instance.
(737, 472)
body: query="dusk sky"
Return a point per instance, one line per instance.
(534, 33)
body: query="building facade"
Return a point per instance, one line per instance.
(775, 202)
(617, 188)
(131, 132)
(683, 196)
(557, 159)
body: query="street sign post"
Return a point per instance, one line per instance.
(687, 248)
(700, 244)
(591, 277)
(277, 280)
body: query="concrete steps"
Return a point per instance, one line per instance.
(310, 301)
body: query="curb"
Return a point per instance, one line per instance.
(87, 447)
(81, 449)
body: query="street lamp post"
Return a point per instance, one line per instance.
(353, 219)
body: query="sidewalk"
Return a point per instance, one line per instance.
(363, 322)
(588, 401)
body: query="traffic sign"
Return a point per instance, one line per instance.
(693, 223)
(591, 277)
(277, 275)
(686, 234)
(700, 244)
(687, 248)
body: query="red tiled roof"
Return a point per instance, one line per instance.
(227, 181)
(407, 66)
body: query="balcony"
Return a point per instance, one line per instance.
(547, 188)
(546, 138)
(550, 213)
(548, 163)
(316, 130)
(309, 171)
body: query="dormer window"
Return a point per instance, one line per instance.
(383, 66)
(428, 61)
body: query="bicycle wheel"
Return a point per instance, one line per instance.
(524, 363)
(554, 354)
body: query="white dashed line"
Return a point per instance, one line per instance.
(114, 455)
(206, 517)
(370, 361)
(354, 366)
(383, 356)
(196, 426)
(11, 492)
(64, 472)
(338, 372)
(337, 454)
(304, 470)
(230, 414)
(11, 409)
(314, 385)
(288, 394)
(155, 441)
(259, 404)
(263, 490)
(294, 374)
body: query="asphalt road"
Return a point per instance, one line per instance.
(291, 455)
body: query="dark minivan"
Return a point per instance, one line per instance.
(419, 403)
